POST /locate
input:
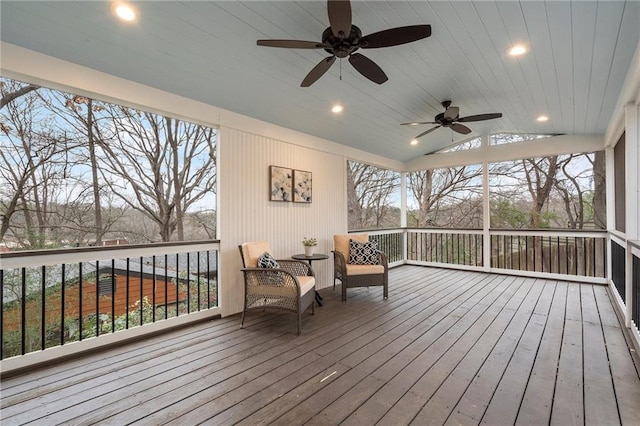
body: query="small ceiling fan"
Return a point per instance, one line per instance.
(342, 39)
(450, 118)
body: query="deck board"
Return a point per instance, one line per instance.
(447, 347)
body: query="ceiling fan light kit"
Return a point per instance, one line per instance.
(342, 39)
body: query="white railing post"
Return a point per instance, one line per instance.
(486, 218)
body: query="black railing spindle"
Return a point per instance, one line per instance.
(43, 304)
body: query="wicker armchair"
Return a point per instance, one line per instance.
(358, 275)
(290, 287)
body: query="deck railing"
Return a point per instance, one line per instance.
(574, 253)
(445, 246)
(557, 253)
(53, 297)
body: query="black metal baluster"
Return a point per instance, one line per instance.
(43, 303)
(575, 250)
(113, 295)
(208, 279)
(188, 285)
(558, 253)
(141, 291)
(584, 251)
(80, 299)
(593, 260)
(198, 278)
(153, 296)
(23, 314)
(177, 281)
(126, 321)
(566, 252)
(166, 288)
(526, 249)
(97, 279)
(62, 302)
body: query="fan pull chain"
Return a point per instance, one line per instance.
(340, 69)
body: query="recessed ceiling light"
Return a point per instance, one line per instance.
(517, 50)
(124, 11)
(414, 142)
(337, 108)
(542, 118)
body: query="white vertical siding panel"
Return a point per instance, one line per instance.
(246, 214)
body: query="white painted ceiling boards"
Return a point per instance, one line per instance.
(579, 55)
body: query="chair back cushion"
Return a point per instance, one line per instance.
(252, 251)
(341, 243)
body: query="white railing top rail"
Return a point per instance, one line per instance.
(35, 258)
(582, 233)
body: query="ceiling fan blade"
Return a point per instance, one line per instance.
(456, 127)
(318, 71)
(427, 132)
(292, 44)
(339, 17)
(480, 117)
(395, 36)
(451, 113)
(368, 68)
(416, 123)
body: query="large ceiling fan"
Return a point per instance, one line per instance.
(342, 39)
(450, 118)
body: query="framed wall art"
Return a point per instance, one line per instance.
(280, 179)
(302, 186)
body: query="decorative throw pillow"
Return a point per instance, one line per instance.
(267, 261)
(363, 253)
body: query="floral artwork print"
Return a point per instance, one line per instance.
(280, 183)
(302, 186)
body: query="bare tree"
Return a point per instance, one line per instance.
(370, 190)
(31, 162)
(159, 166)
(448, 197)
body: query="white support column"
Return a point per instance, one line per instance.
(611, 204)
(486, 218)
(403, 199)
(403, 213)
(632, 177)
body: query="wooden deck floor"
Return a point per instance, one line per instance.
(447, 347)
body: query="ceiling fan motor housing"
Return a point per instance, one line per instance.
(342, 47)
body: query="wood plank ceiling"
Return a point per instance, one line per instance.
(580, 52)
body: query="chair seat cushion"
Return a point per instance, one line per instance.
(307, 283)
(364, 269)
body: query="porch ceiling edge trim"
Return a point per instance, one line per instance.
(556, 145)
(630, 93)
